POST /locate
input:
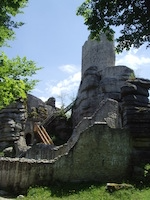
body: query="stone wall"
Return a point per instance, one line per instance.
(92, 158)
(106, 113)
(17, 175)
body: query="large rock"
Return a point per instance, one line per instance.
(12, 121)
(17, 122)
(38, 111)
(97, 86)
(136, 117)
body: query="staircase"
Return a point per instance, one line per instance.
(40, 131)
(42, 134)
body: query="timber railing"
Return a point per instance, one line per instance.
(42, 134)
(41, 131)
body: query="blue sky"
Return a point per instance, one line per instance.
(53, 37)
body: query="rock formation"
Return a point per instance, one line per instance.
(12, 124)
(37, 111)
(17, 121)
(97, 86)
(98, 53)
(101, 79)
(110, 131)
(136, 118)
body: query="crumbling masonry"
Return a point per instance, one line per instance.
(110, 130)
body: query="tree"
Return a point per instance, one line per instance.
(14, 81)
(132, 16)
(8, 10)
(15, 74)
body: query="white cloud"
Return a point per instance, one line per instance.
(43, 98)
(64, 90)
(66, 85)
(68, 68)
(37, 90)
(133, 59)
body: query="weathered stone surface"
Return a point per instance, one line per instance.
(20, 146)
(119, 72)
(97, 86)
(136, 117)
(138, 98)
(111, 128)
(110, 85)
(17, 120)
(9, 152)
(37, 112)
(100, 54)
(51, 102)
(108, 111)
(131, 89)
(135, 104)
(101, 162)
(145, 83)
(12, 121)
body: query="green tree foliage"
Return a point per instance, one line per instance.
(15, 73)
(8, 10)
(132, 16)
(14, 81)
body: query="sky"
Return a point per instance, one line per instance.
(53, 37)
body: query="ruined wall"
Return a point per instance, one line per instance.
(17, 175)
(106, 113)
(92, 158)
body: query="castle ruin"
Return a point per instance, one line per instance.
(110, 129)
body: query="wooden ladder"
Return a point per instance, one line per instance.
(43, 135)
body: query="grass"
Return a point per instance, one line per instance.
(1, 154)
(86, 192)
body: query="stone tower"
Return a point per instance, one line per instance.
(98, 53)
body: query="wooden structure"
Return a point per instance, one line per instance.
(41, 131)
(42, 134)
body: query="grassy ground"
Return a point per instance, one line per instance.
(86, 192)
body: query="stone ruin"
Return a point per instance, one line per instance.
(109, 133)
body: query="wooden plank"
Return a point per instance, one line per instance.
(46, 135)
(41, 131)
(43, 135)
(36, 130)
